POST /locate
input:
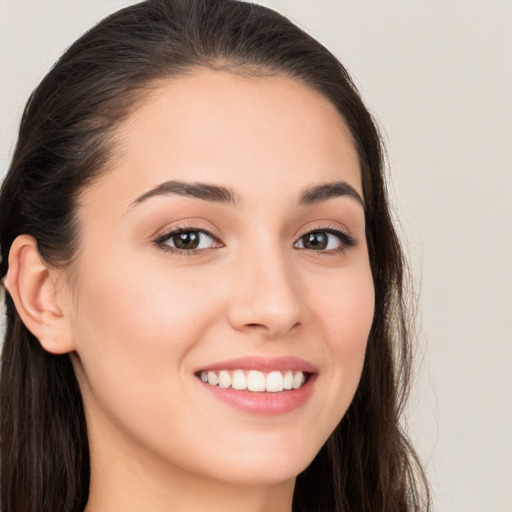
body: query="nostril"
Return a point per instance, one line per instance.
(269, 327)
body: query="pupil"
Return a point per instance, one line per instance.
(187, 240)
(316, 241)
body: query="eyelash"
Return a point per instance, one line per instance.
(346, 241)
(174, 231)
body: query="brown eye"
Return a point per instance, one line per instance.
(328, 240)
(317, 241)
(187, 240)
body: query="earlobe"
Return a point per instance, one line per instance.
(33, 288)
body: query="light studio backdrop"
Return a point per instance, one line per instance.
(438, 77)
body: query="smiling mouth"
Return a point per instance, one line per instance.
(254, 380)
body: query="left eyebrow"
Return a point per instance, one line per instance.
(325, 191)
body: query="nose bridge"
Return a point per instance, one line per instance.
(268, 292)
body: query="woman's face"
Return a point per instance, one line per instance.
(226, 242)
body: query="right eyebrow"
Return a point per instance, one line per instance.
(204, 191)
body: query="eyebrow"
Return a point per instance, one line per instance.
(323, 192)
(219, 194)
(204, 191)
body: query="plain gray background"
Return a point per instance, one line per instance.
(438, 77)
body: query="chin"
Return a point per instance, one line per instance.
(263, 467)
(263, 475)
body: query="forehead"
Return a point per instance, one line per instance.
(244, 131)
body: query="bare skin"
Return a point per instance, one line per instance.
(276, 273)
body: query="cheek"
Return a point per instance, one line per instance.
(142, 305)
(346, 307)
(345, 310)
(134, 329)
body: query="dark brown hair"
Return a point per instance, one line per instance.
(65, 141)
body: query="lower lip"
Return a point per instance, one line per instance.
(264, 403)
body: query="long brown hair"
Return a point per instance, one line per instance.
(367, 465)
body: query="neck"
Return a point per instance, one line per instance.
(126, 478)
(131, 489)
(184, 497)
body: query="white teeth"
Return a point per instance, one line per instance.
(288, 380)
(254, 380)
(298, 380)
(224, 379)
(239, 380)
(212, 378)
(274, 382)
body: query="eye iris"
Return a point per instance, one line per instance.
(316, 241)
(186, 240)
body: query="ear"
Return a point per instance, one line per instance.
(33, 286)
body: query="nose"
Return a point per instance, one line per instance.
(267, 298)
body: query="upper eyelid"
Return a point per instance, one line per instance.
(160, 241)
(346, 238)
(331, 228)
(165, 233)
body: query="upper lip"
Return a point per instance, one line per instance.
(262, 364)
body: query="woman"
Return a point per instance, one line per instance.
(205, 304)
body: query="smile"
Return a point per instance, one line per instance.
(260, 385)
(254, 380)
